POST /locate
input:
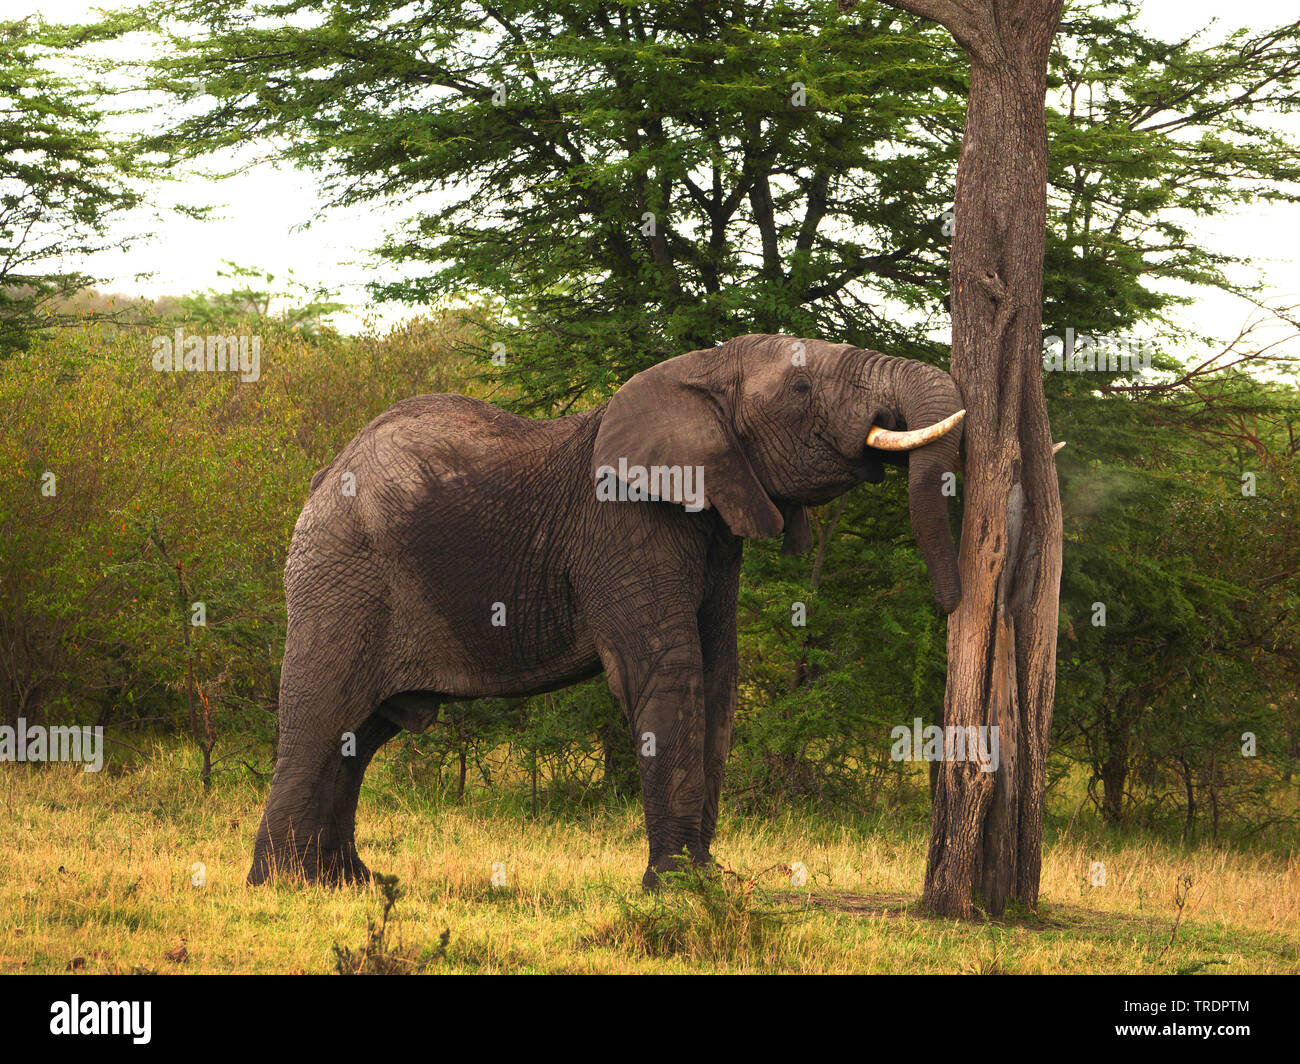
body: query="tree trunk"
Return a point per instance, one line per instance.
(1114, 773)
(1189, 788)
(986, 834)
(1116, 732)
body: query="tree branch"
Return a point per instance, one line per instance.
(964, 20)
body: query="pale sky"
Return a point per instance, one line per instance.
(261, 212)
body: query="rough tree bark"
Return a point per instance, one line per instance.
(986, 833)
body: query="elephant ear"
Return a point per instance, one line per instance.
(669, 415)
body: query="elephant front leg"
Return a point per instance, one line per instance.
(717, 625)
(720, 672)
(664, 700)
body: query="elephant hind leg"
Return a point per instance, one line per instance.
(308, 828)
(337, 856)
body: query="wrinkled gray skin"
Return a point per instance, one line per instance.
(459, 505)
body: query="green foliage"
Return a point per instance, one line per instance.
(1146, 133)
(797, 160)
(63, 176)
(713, 915)
(817, 701)
(153, 471)
(255, 302)
(831, 135)
(1199, 642)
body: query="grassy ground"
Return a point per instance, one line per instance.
(97, 874)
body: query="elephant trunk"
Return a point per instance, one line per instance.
(925, 395)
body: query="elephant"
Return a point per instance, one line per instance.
(453, 550)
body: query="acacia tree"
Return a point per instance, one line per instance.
(797, 162)
(63, 175)
(986, 832)
(595, 171)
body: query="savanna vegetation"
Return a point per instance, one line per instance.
(173, 489)
(129, 495)
(137, 869)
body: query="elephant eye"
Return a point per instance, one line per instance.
(802, 386)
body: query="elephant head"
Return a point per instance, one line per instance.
(777, 423)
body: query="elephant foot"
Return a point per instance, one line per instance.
(258, 874)
(343, 868)
(270, 865)
(331, 866)
(654, 880)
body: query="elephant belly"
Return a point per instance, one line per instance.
(470, 631)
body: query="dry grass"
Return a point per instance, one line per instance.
(96, 875)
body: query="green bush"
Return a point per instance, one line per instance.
(120, 486)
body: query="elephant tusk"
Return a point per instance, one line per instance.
(1057, 446)
(888, 440)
